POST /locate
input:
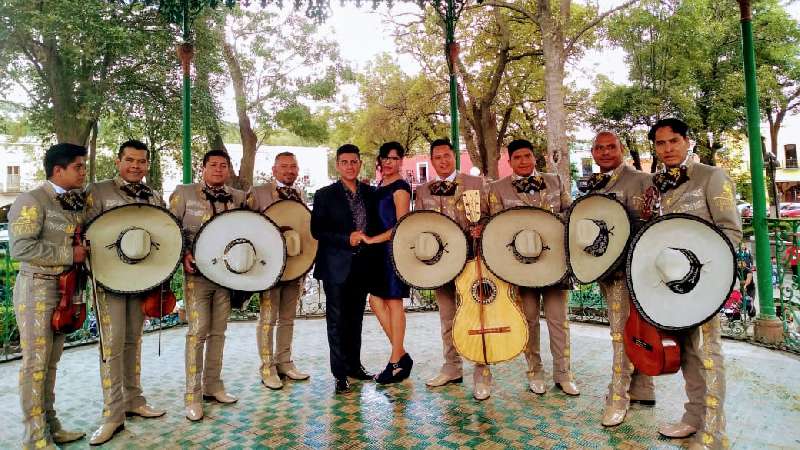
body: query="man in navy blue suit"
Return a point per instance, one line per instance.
(338, 222)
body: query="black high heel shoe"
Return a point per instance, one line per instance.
(389, 374)
(405, 363)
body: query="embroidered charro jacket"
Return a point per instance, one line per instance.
(189, 204)
(553, 197)
(628, 185)
(107, 194)
(41, 231)
(709, 194)
(453, 205)
(261, 197)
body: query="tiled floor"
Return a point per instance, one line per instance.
(763, 404)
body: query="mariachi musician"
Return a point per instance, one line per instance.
(42, 223)
(208, 305)
(279, 304)
(628, 186)
(121, 316)
(526, 187)
(444, 194)
(706, 192)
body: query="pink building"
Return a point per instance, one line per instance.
(417, 169)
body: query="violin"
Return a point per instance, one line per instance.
(159, 302)
(651, 350)
(70, 313)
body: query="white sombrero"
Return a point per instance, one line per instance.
(524, 246)
(134, 247)
(294, 220)
(241, 250)
(681, 269)
(428, 249)
(598, 229)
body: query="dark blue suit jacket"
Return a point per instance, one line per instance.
(331, 225)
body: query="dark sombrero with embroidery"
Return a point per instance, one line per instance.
(134, 247)
(598, 230)
(429, 249)
(524, 246)
(680, 271)
(241, 250)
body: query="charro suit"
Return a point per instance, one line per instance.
(278, 305)
(208, 305)
(555, 198)
(627, 185)
(41, 233)
(121, 317)
(709, 194)
(453, 207)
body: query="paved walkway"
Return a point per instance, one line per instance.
(763, 403)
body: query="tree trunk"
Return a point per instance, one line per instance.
(554, 58)
(631, 144)
(154, 174)
(248, 136)
(92, 145)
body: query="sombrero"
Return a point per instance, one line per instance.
(524, 246)
(241, 250)
(134, 247)
(428, 249)
(681, 269)
(294, 220)
(598, 229)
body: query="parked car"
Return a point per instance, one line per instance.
(790, 210)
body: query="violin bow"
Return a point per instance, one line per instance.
(96, 308)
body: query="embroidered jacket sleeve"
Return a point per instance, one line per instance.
(177, 206)
(495, 199)
(721, 200)
(26, 228)
(94, 205)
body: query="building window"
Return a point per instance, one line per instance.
(423, 173)
(12, 179)
(791, 156)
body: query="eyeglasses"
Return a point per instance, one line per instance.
(393, 158)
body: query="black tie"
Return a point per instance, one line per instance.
(137, 190)
(443, 188)
(72, 200)
(528, 184)
(671, 178)
(596, 182)
(288, 193)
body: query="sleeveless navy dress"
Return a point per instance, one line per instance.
(383, 281)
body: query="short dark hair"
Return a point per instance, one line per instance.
(348, 148)
(387, 147)
(284, 154)
(133, 143)
(518, 144)
(677, 126)
(438, 142)
(220, 153)
(61, 155)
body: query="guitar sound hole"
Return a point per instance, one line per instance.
(488, 288)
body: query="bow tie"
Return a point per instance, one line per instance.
(137, 190)
(596, 182)
(72, 200)
(217, 194)
(527, 184)
(443, 188)
(671, 178)
(288, 193)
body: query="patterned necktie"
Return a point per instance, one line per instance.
(72, 200)
(137, 190)
(596, 182)
(671, 178)
(217, 195)
(443, 188)
(528, 184)
(288, 193)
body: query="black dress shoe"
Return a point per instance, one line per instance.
(361, 374)
(390, 374)
(406, 363)
(342, 386)
(644, 402)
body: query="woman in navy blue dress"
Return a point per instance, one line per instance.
(390, 202)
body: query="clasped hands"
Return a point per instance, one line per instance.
(358, 236)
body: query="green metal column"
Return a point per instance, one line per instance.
(187, 103)
(450, 27)
(763, 263)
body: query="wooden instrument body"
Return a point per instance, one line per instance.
(70, 312)
(505, 330)
(159, 302)
(652, 351)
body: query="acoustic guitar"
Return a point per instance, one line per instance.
(489, 326)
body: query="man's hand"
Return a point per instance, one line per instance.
(356, 237)
(79, 253)
(475, 230)
(188, 263)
